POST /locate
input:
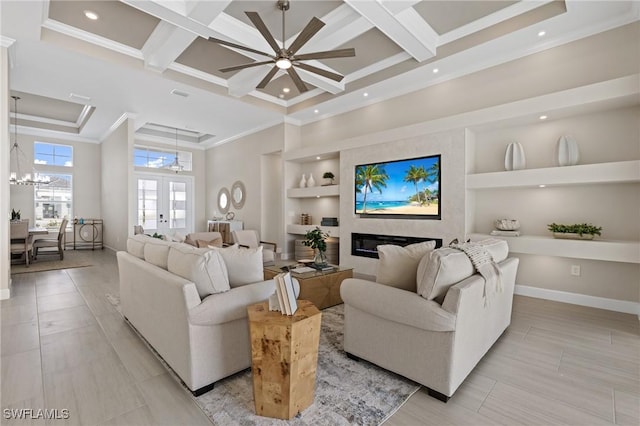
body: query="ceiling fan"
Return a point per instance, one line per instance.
(286, 58)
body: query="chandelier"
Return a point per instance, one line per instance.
(176, 166)
(17, 154)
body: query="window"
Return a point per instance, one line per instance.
(155, 158)
(54, 201)
(52, 154)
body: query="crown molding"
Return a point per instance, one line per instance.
(244, 134)
(45, 133)
(141, 137)
(117, 124)
(6, 41)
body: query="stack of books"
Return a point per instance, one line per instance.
(284, 298)
(329, 221)
(498, 232)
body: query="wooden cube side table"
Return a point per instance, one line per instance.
(284, 358)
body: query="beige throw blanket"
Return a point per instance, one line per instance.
(483, 262)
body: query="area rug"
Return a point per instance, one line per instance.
(348, 392)
(50, 262)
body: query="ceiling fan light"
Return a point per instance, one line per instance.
(283, 63)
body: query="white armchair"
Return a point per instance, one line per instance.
(251, 239)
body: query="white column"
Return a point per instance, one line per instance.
(5, 149)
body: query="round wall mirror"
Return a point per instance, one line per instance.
(223, 200)
(238, 194)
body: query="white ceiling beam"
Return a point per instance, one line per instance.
(397, 6)
(392, 27)
(168, 41)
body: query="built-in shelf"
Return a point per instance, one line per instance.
(333, 231)
(587, 174)
(314, 192)
(608, 250)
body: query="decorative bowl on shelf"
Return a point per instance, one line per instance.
(507, 224)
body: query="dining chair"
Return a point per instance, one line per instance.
(52, 242)
(21, 241)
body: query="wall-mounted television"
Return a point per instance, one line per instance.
(408, 189)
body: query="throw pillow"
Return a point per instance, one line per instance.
(204, 267)
(243, 265)
(445, 267)
(398, 265)
(216, 242)
(156, 252)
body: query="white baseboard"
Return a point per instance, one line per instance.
(624, 306)
(5, 293)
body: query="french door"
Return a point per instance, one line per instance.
(165, 203)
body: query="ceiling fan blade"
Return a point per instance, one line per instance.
(319, 71)
(297, 80)
(267, 78)
(260, 25)
(340, 53)
(238, 46)
(309, 31)
(243, 66)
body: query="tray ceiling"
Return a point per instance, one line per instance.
(148, 48)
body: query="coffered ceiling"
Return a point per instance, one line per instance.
(153, 59)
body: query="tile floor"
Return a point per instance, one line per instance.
(63, 345)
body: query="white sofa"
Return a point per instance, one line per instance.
(204, 338)
(434, 342)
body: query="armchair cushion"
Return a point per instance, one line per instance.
(444, 267)
(204, 267)
(398, 265)
(216, 242)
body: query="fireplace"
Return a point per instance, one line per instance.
(366, 245)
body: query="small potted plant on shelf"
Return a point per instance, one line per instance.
(15, 215)
(328, 176)
(316, 240)
(578, 231)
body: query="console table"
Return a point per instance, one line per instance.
(225, 227)
(284, 358)
(87, 234)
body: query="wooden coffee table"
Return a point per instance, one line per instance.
(284, 358)
(320, 287)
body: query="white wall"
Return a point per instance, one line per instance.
(116, 164)
(242, 160)
(5, 256)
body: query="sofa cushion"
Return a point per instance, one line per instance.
(156, 252)
(398, 265)
(135, 245)
(204, 267)
(216, 242)
(445, 267)
(244, 265)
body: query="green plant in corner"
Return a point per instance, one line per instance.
(578, 228)
(329, 175)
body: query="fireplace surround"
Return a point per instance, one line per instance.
(365, 245)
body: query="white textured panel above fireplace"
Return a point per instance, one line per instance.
(451, 146)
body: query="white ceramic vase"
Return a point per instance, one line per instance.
(303, 181)
(567, 151)
(311, 181)
(514, 157)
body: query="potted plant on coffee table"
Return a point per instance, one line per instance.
(316, 240)
(578, 231)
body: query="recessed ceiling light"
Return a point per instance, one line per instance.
(281, 96)
(365, 94)
(315, 111)
(286, 89)
(179, 93)
(435, 70)
(317, 158)
(543, 117)
(317, 196)
(91, 15)
(541, 33)
(542, 186)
